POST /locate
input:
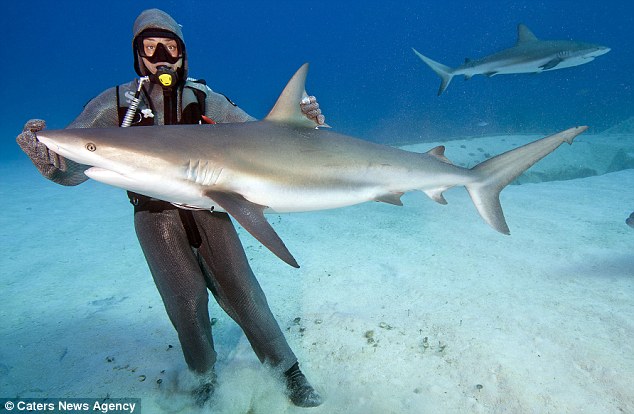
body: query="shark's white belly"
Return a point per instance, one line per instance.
(511, 66)
(504, 68)
(277, 198)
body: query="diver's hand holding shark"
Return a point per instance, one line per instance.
(48, 163)
(45, 160)
(283, 163)
(529, 55)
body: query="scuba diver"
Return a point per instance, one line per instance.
(188, 251)
(630, 220)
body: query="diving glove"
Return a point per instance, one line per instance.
(48, 163)
(310, 108)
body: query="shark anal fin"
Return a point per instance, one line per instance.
(551, 64)
(251, 217)
(391, 198)
(436, 194)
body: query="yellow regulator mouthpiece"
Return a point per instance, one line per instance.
(165, 79)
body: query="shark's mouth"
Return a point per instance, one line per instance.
(110, 177)
(97, 171)
(50, 144)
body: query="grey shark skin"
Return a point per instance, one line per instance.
(283, 164)
(529, 55)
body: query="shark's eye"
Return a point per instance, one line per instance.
(91, 147)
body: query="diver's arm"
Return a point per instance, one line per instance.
(98, 113)
(222, 110)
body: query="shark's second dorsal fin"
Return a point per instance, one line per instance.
(439, 153)
(287, 110)
(524, 34)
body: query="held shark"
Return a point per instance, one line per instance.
(529, 55)
(283, 164)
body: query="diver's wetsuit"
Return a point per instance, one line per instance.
(181, 272)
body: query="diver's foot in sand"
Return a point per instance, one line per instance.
(203, 392)
(299, 390)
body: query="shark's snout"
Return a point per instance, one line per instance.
(63, 144)
(601, 50)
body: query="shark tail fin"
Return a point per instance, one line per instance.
(445, 72)
(492, 175)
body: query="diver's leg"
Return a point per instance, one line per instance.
(180, 282)
(237, 290)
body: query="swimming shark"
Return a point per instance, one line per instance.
(283, 163)
(529, 55)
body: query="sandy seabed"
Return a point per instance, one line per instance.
(414, 309)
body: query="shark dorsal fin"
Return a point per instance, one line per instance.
(287, 110)
(524, 34)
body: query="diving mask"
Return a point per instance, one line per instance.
(162, 49)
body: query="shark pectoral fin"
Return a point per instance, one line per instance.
(391, 198)
(551, 64)
(251, 217)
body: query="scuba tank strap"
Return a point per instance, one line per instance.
(199, 88)
(193, 103)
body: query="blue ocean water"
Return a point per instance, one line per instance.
(368, 81)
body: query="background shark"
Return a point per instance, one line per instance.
(529, 55)
(283, 164)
